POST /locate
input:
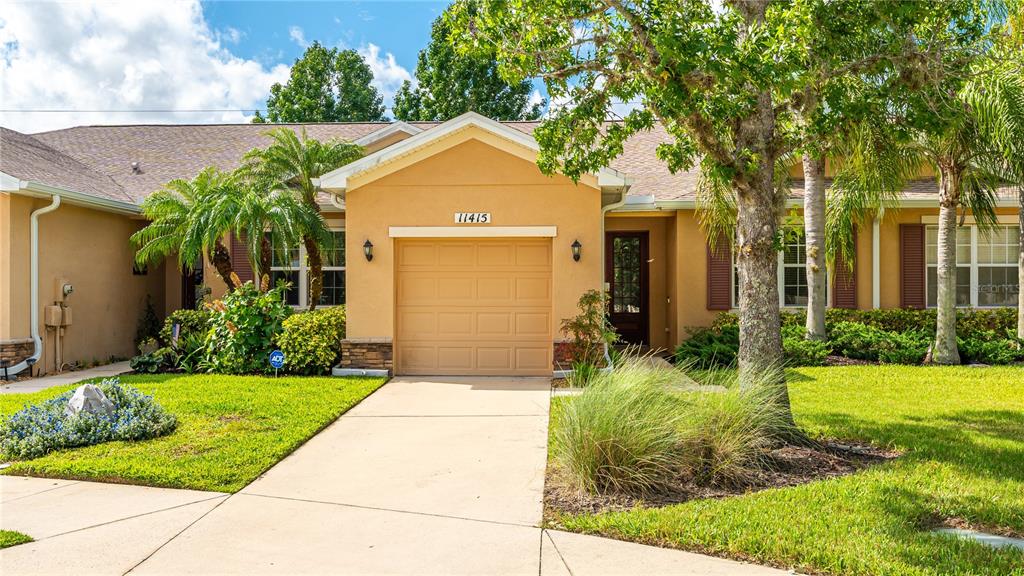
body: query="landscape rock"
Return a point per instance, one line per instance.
(90, 399)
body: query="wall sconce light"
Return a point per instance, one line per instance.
(368, 250)
(576, 248)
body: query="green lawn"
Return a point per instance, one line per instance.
(230, 430)
(963, 433)
(11, 538)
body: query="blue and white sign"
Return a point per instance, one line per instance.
(277, 359)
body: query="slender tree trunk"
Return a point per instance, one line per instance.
(1020, 264)
(944, 351)
(814, 232)
(266, 257)
(316, 275)
(220, 257)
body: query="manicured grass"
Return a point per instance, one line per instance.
(10, 538)
(230, 430)
(963, 433)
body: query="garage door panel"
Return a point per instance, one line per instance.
(474, 306)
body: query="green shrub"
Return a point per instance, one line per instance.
(589, 333)
(969, 321)
(856, 340)
(243, 328)
(38, 429)
(908, 347)
(725, 436)
(149, 325)
(621, 433)
(311, 341)
(800, 351)
(189, 322)
(991, 347)
(710, 347)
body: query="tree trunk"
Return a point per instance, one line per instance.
(266, 257)
(316, 266)
(944, 351)
(220, 257)
(1020, 263)
(814, 232)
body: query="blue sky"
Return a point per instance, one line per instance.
(268, 29)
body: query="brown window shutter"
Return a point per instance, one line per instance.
(844, 285)
(240, 259)
(720, 275)
(912, 270)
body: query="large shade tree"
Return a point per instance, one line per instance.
(449, 83)
(292, 162)
(721, 80)
(325, 85)
(186, 219)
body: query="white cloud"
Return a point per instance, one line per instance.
(388, 75)
(298, 36)
(123, 56)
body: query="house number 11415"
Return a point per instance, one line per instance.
(472, 217)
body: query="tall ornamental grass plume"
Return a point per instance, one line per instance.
(646, 427)
(725, 436)
(621, 433)
(38, 429)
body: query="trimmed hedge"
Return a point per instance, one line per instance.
(311, 341)
(894, 336)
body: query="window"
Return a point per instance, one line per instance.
(792, 271)
(986, 266)
(292, 267)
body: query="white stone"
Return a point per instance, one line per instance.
(89, 398)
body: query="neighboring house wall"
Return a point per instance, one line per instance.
(472, 176)
(91, 250)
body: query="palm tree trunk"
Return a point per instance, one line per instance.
(220, 257)
(316, 267)
(266, 257)
(1020, 263)
(944, 351)
(814, 231)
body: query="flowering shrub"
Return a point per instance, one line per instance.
(311, 340)
(38, 429)
(243, 327)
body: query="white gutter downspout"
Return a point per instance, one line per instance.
(34, 272)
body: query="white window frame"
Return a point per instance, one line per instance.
(973, 265)
(780, 273)
(303, 270)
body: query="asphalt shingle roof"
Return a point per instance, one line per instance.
(98, 159)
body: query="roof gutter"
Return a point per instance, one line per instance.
(40, 190)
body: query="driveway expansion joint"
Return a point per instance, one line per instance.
(41, 491)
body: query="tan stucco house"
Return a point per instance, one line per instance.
(476, 255)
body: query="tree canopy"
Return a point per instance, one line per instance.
(326, 85)
(449, 83)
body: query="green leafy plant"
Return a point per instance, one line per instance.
(908, 347)
(712, 347)
(991, 347)
(243, 328)
(800, 351)
(589, 333)
(149, 323)
(311, 341)
(188, 321)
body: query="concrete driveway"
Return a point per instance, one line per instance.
(426, 476)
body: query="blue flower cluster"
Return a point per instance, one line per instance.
(42, 428)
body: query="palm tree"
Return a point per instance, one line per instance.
(292, 163)
(184, 220)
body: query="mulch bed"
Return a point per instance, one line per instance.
(786, 466)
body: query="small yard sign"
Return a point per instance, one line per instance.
(277, 359)
(472, 217)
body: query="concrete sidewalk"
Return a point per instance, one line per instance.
(37, 384)
(423, 477)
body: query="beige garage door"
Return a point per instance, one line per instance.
(474, 306)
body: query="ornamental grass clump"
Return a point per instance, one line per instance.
(41, 428)
(620, 434)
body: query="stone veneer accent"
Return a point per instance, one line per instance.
(367, 353)
(562, 358)
(14, 351)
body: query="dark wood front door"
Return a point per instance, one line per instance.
(626, 275)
